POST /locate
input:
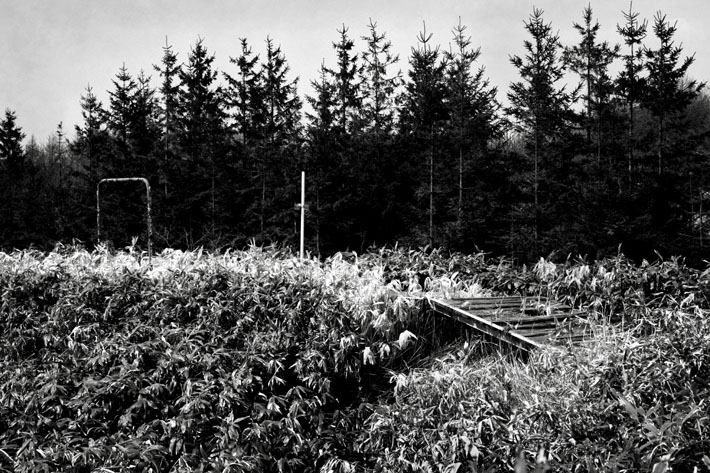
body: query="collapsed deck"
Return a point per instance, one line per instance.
(518, 322)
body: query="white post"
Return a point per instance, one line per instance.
(303, 208)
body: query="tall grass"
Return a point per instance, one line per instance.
(258, 361)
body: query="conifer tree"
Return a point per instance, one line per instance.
(132, 120)
(472, 108)
(244, 98)
(666, 91)
(278, 156)
(90, 148)
(11, 136)
(424, 112)
(345, 79)
(202, 138)
(590, 60)
(169, 72)
(629, 82)
(91, 142)
(60, 161)
(119, 115)
(144, 123)
(376, 168)
(245, 95)
(200, 102)
(322, 119)
(541, 109)
(282, 103)
(14, 191)
(322, 146)
(378, 83)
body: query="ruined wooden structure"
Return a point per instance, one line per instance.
(523, 323)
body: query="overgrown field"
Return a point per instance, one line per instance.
(257, 361)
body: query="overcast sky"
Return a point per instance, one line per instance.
(50, 50)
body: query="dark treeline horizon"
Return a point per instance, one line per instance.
(600, 146)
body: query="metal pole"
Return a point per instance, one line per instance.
(303, 209)
(150, 221)
(98, 211)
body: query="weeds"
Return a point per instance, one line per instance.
(258, 361)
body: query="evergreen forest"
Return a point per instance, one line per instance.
(592, 147)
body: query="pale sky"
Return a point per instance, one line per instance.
(50, 50)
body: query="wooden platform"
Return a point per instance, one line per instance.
(521, 323)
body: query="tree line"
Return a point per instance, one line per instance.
(580, 160)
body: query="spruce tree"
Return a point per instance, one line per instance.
(91, 149)
(322, 146)
(345, 79)
(378, 83)
(169, 72)
(423, 114)
(666, 91)
(245, 95)
(629, 83)
(119, 117)
(201, 140)
(590, 60)
(540, 108)
(200, 103)
(376, 168)
(472, 111)
(278, 156)
(144, 125)
(14, 188)
(91, 142)
(11, 136)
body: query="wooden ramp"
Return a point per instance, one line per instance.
(522, 323)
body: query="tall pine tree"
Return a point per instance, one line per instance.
(378, 83)
(590, 60)
(169, 72)
(541, 109)
(666, 91)
(279, 157)
(11, 136)
(119, 117)
(629, 83)
(379, 194)
(202, 140)
(423, 116)
(322, 143)
(472, 112)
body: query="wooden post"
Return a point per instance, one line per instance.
(303, 211)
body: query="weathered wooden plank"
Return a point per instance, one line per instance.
(486, 306)
(514, 304)
(520, 323)
(489, 299)
(484, 326)
(515, 319)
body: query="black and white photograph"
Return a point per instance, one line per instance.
(330, 236)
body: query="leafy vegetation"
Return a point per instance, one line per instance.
(257, 361)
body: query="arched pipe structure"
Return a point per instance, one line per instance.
(147, 194)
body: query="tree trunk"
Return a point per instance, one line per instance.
(461, 124)
(431, 189)
(659, 151)
(535, 186)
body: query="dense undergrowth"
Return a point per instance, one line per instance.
(257, 361)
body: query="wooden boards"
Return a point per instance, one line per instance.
(521, 323)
